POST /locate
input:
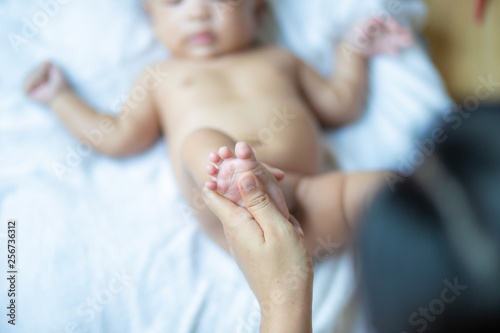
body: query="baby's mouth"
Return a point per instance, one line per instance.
(202, 38)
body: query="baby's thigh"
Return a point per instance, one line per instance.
(198, 209)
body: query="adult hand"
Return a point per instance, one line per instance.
(270, 252)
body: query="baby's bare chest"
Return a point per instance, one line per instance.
(244, 97)
(240, 81)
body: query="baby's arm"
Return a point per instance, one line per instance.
(342, 99)
(134, 130)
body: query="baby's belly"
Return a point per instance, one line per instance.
(286, 137)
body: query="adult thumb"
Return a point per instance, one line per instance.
(258, 202)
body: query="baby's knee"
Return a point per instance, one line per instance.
(201, 136)
(204, 141)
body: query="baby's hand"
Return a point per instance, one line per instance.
(44, 83)
(379, 36)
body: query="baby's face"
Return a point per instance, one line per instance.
(204, 28)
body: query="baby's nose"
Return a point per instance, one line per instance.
(199, 10)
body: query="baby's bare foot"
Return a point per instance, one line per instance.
(228, 168)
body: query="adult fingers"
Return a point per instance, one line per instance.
(240, 227)
(226, 210)
(296, 225)
(258, 201)
(277, 173)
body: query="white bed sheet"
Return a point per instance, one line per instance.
(108, 246)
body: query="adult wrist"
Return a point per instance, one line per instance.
(291, 314)
(289, 319)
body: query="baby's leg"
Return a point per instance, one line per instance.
(330, 205)
(192, 176)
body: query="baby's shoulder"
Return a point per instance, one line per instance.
(157, 71)
(160, 66)
(279, 51)
(282, 55)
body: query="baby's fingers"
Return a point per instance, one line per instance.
(38, 76)
(397, 42)
(392, 25)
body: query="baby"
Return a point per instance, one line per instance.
(224, 87)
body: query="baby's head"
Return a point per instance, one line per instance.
(205, 28)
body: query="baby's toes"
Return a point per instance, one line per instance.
(225, 153)
(212, 170)
(211, 185)
(215, 159)
(244, 151)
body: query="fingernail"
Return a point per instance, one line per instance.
(248, 182)
(301, 232)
